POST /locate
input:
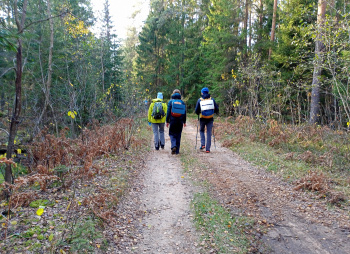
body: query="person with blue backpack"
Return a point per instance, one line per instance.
(156, 117)
(205, 109)
(176, 118)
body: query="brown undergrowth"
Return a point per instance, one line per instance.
(78, 182)
(324, 152)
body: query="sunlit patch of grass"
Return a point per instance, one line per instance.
(262, 155)
(220, 230)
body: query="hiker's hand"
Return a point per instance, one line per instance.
(149, 123)
(184, 125)
(167, 125)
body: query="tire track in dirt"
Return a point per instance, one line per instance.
(298, 223)
(165, 199)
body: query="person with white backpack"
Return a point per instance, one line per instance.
(205, 109)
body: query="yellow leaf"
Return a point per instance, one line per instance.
(62, 251)
(50, 237)
(13, 222)
(71, 84)
(19, 151)
(3, 225)
(40, 211)
(98, 246)
(69, 113)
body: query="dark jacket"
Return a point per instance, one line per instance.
(176, 123)
(198, 107)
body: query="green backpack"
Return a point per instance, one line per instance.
(158, 111)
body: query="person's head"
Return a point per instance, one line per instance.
(160, 96)
(205, 90)
(176, 91)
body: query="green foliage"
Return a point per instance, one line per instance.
(84, 233)
(220, 228)
(40, 202)
(189, 50)
(31, 231)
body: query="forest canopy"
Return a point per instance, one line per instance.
(266, 59)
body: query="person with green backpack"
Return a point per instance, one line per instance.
(156, 117)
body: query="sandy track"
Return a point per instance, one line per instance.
(158, 206)
(299, 223)
(165, 198)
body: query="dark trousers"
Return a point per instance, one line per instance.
(175, 138)
(209, 125)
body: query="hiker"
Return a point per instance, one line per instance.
(156, 117)
(176, 117)
(205, 109)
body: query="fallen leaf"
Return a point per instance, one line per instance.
(40, 211)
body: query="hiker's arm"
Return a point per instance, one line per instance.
(185, 116)
(168, 112)
(198, 108)
(165, 109)
(216, 107)
(150, 112)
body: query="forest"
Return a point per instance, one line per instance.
(70, 94)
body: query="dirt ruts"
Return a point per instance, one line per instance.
(159, 205)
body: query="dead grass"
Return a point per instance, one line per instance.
(83, 179)
(317, 148)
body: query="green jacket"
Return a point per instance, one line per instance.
(150, 110)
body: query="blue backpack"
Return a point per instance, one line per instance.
(177, 108)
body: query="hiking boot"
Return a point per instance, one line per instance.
(202, 147)
(162, 146)
(207, 151)
(173, 150)
(157, 148)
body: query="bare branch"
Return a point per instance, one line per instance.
(42, 20)
(9, 69)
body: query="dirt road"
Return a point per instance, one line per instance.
(295, 222)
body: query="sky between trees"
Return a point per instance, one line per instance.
(121, 12)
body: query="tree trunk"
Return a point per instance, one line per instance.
(319, 47)
(49, 75)
(250, 29)
(18, 87)
(273, 28)
(261, 20)
(245, 28)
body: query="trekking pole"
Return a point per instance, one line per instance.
(214, 137)
(196, 134)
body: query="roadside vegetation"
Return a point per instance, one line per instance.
(67, 200)
(221, 230)
(314, 158)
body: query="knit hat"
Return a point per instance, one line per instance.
(205, 90)
(160, 95)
